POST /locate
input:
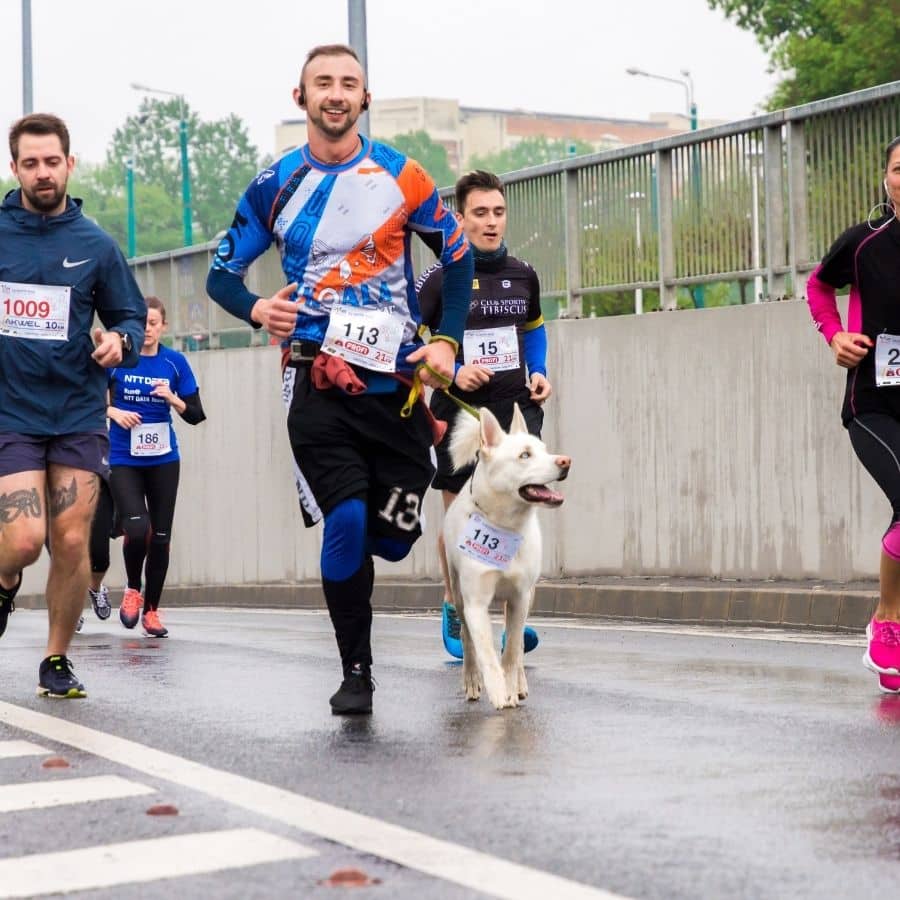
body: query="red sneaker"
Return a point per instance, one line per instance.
(152, 625)
(130, 610)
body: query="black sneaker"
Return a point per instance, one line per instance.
(7, 603)
(56, 679)
(354, 696)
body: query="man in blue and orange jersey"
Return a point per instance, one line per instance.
(342, 210)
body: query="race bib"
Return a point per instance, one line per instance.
(496, 349)
(887, 360)
(364, 336)
(494, 546)
(153, 439)
(36, 311)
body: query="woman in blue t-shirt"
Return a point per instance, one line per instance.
(145, 463)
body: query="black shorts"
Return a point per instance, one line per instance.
(448, 480)
(359, 446)
(88, 451)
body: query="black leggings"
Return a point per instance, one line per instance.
(145, 504)
(101, 530)
(876, 440)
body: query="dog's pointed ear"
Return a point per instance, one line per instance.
(518, 421)
(491, 432)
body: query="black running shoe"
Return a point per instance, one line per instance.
(354, 696)
(7, 603)
(56, 679)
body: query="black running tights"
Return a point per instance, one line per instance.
(145, 504)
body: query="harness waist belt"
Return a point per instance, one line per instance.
(304, 351)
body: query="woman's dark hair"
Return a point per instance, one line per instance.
(891, 147)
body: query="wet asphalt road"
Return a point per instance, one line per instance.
(648, 762)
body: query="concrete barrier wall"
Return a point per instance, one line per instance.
(705, 443)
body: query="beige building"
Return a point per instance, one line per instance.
(467, 131)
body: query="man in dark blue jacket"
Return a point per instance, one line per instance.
(57, 269)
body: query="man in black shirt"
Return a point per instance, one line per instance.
(503, 357)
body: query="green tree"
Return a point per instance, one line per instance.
(158, 212)
(530, 152)
(432, 155)
(823, 47)
(222, 162)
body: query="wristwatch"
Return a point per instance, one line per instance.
(126, 340)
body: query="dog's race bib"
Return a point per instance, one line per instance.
(364, 336)
(150, 440)
(36, 311)
(496, 349)
(887, 360)
(493, 546)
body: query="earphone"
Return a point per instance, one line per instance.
(301, 100)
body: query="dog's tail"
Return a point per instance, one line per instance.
(465, 440)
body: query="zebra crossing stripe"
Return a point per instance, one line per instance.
(61, 792)
(472, 869)
(12, 749)
(137, 862)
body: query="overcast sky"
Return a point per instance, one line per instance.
(228, 57)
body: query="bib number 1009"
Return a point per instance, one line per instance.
(34, 309)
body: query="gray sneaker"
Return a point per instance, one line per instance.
(100, 602)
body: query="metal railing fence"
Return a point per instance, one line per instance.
(753, 204)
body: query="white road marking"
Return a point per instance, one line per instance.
(739, 633)
(12, 749)
(141, 861)
(61, 792)
(440, 859)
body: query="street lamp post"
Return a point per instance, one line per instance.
(687, 82)
(187, 217)
(129, 192)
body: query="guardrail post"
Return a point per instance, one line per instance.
(668, 293)
(773, 175)
(573, 243)
(798, 204)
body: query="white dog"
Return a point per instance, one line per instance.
(493, 545)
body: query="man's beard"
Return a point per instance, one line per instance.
(44, 202)
(334, 131)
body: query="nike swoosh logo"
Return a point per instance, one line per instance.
(71, 265)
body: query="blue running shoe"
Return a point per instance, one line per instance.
(450, 626)
(531, 640)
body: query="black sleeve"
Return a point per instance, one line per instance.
(838, 267)
(428, 288)
(193, 409)
(534, 295)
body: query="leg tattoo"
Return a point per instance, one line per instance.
(26, 502)
(61, 498)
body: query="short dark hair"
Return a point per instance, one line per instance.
(330, 50)
(155, 303)
(479, 180)
(37, 123)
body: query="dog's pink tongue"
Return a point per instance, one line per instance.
(539, 493)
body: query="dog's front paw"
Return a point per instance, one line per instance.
(503, 700)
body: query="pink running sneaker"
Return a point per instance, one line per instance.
(131, 608)
(883, 652)
(889, 684)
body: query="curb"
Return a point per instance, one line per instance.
(834, 607)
